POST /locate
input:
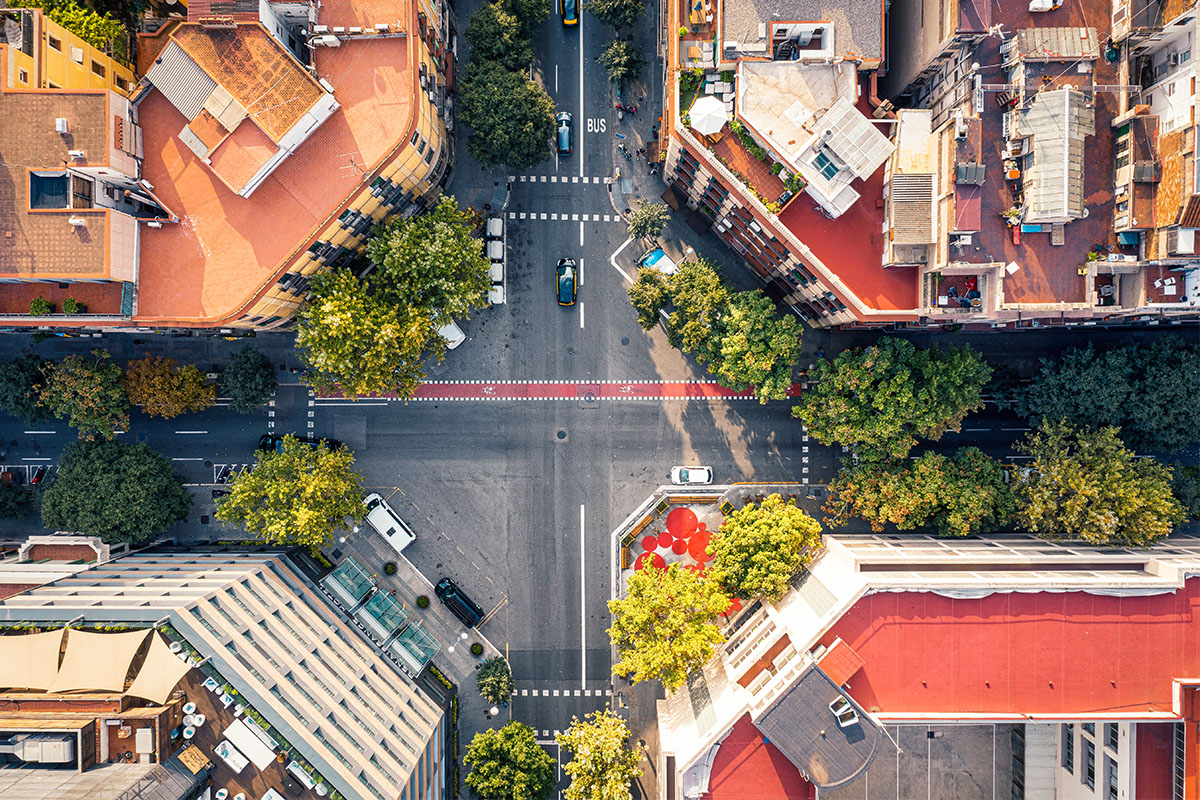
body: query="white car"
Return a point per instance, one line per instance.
(686, 476)
(387, 522)
(452, 334)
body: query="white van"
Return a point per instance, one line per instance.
(387, 523)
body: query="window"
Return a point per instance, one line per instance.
(55, 43)
(1110, 778)
(1088, 775)
(1112, 737)
(1089, 727)
(1068, 748)
(23, 76)
(99, 69)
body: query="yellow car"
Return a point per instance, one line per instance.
(570, 11)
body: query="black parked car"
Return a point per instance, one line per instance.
(273, 442)
(459, 604)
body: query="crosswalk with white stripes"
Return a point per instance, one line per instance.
(558, 179)
(556, 217)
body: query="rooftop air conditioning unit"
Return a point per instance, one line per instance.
(60, 125)
(154, 224)
(77, 155)
(1173, 59)
(77, 222)
(320, 29)
(327, 41)
(149, 186)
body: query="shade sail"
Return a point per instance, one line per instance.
(97, 661)
(708, 115)
(29, 661)
(160, 673)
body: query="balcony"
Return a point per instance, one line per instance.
(955, 295)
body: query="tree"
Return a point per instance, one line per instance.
(164, 389)
(649, 294)
(756, 347)
(431, 264)
(531, 13)
(699, 297)
(118, 491)
(509, 764)
(498, 36)
(495, 680)
(648, 219)
(300, 495)
(664, 626)
(1185, 483)
(882, 397)
(602, 764)
(20, 384)
(249, 380)
(1148, 391)
(14, 501)
(617, 13)
(1084, 484)
(959, 497)
(98, 30)
(88, 394)
(621, 60)
(353, 341)
(760, 547)
(512, 118)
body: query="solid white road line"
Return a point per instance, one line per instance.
(556, 78)
(581, 106)
(41, 431)
(190, 432)
(582, 602)
(187, 459)
(36, 459)
(581, 270)
(613, 259)
(581, 313)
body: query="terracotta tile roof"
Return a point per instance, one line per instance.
(1070, 654)
(39, 242)
(229, 249)
(260, 75)
(1189, 216)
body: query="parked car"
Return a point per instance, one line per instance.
(566, 280)
(459, 604)
(563, 140)
(273, 442)
(38, 475)
(686, 476)
(217, 494)
(387, 523)
(570, 11)
(452, 334)
(658, 260)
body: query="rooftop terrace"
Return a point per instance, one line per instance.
(858, 24)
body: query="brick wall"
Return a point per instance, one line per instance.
(62, 552)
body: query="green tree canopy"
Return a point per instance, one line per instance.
(495, 680)
(617, 13)
(430, 264)
(602, 764)
(498, 36)
(20, 384)
(164, 389)
(531, 13)
(15, 501)
(249, 380)
(650, 294)
(959, 496)
(87, 393)
(698, 296)
(1085, 484)
(621, 60)
(352, 340)
(1185, 483)
(510, 116)
(664, 626)
(118, 491)
(760, 547)
(508, 764)
(298, 496)
(882, 397)
(1148, 391)
(648, 219)
(756, 347)
(96, 29)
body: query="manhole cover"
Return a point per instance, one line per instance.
(625, 340)
(588, 396)
(561, 435)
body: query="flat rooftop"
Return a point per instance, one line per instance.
(44, 243)
(857, 24)
(228, 250)
(1017, 653)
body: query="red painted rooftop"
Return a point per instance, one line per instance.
(1070, 653)
(744, 760)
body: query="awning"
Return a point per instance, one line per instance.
(97, 661)
(29, 661)
(160, 673)
(241, 737)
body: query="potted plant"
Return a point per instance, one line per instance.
(476, 649)
(422, 601)
(389, 568)
(73, 306)
(40, 306)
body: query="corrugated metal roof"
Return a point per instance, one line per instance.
(912, 209)
(181, 80)
(1057, 44)
(1058, 122)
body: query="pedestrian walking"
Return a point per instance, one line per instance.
(820, 352)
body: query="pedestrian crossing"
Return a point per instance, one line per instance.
(556, 217)
(594, 179)
(562, 692)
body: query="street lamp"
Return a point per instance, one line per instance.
(494, 710)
